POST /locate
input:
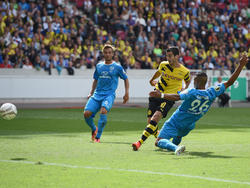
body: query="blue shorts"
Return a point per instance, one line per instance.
(93, 105)
(169, 130)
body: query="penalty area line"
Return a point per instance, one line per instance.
(127, 170)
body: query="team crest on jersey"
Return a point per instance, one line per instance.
(111, 69)
(217, 88)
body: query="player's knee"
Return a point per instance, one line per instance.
(103, 111)
(157, 116)
(87, 114)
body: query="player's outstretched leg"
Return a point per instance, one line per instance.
(177, 140)
(180, 150)
(156, 133)
(149, 130)
(166, 144)
(136, 145)
(89, 119)
(101, 124)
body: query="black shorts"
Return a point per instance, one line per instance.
(159, 104)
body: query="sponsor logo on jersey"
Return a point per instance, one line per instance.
(104, 74)
(171, 77)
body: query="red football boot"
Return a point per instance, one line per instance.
(136, 145)
(97, 140)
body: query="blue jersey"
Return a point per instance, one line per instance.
(107, 79)
(196, 103)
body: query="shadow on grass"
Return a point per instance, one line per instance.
(123, 143)
(14, 137)
(18, 159)
(163, 151)
(208, 154)
(186, 154)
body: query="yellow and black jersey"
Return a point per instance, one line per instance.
(171, 79)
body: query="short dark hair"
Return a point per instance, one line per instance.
(174, 50)
(201, 74)
(202, 78)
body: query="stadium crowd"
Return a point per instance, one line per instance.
(70, 34)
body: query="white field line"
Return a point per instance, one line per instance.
(128, 170)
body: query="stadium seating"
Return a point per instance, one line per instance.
(61, 34)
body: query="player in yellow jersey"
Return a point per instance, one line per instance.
(171, 73)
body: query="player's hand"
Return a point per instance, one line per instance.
(244, 59)
(125, 98)
(89, 95)
(155, 93)
(153, 82)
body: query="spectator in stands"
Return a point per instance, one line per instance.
(157, 50)
(146, 61)
(26, 63)
(233, 6)
(6, 63)
(70, 68)
(38, 63)
(44, 56)
(188, 60)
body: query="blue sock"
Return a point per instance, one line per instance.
(177, 140)
(101, 124)
(166, 144)
(90, 122)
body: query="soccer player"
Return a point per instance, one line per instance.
(196, 103)
(171, 73)
(102, 94)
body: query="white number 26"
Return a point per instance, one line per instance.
(197, 105)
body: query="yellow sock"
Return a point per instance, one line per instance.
(150, 129)
(156, 133)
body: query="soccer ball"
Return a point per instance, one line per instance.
(8, 111)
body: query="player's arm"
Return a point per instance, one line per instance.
(234, 76)
(187, 83)
(187, 80)
(158, 94)
(156, 75)
(94, 84)
(126, 96)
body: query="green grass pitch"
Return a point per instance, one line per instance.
(52, 148)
